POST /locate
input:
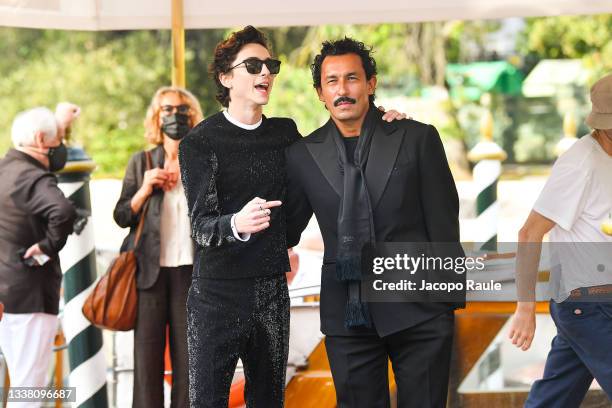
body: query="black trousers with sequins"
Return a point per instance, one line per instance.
(238, 318)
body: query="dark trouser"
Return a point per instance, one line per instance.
(162, 304)
(579, 352)
(420, 357)
(238, 318)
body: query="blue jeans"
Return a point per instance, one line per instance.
(579, 352)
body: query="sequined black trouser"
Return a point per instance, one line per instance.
(238, 318)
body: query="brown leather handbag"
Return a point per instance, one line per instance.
(112, 304)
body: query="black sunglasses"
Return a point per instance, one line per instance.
(254, 65)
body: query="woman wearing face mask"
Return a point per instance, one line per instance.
(165, 252)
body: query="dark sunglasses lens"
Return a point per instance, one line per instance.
(273, 65)
(253, 66)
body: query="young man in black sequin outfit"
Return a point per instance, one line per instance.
(233, 171)
(232, 166)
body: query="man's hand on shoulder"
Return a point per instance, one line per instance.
(392, 115)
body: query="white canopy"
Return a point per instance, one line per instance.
(155, 14)
(554, 77)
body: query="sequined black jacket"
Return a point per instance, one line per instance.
(223, 167)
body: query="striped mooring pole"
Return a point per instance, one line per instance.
(78, 262)
(488, 157)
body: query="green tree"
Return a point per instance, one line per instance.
(112, 82)
(586, 37)
(112, 75)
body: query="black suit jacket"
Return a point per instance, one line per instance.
(148, 251)
(413, 196)
(33, 210)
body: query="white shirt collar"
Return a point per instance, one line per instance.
(240, 124)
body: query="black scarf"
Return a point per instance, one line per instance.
(355, 220)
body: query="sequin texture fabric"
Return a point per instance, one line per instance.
(230, 319)
(238, 304)
(223, 167)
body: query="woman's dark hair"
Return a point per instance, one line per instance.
(343, 47)
(226, 52)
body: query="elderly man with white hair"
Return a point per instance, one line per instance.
(35, 221)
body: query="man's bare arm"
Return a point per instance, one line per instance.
(528, 254)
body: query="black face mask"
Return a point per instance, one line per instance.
(57, 157)
(176, 126)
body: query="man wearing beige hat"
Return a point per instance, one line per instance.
(574, 207)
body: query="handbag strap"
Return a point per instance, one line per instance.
(145, 207)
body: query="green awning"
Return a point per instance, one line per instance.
(470, 81)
